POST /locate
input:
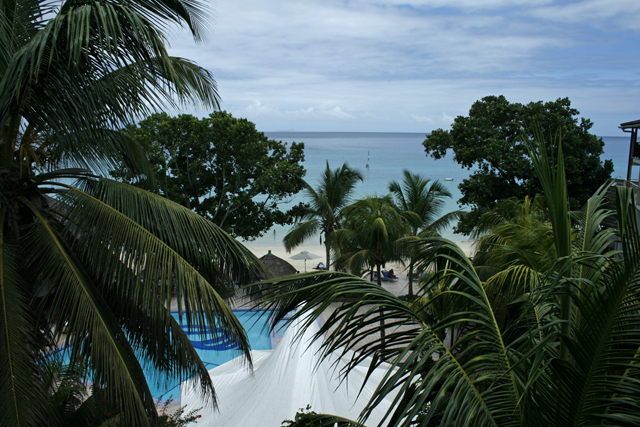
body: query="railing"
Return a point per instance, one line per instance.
(634, 185)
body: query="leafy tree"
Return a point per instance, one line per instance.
(555, 363)
(490, 140)
(514, 233)
(96, 265)
(415, 195)
(222, 168)
(324, 211)
(370, 234)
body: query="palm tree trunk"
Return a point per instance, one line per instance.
(411, 278)
(327, 237)
(382, 327)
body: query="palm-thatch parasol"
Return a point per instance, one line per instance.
(277, 266)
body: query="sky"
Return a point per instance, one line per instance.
(413, 66)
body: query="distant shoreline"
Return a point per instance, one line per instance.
(260, 249)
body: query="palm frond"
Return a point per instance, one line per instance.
(19, 374)
(91, 330)
(299, 233)
(108, 149)
(607, 377)
(218, 257)
(425, 372)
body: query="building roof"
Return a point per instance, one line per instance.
(277, 266)
(630, 125)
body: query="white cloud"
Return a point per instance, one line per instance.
(446, 118)
(422, 119)
(605, 14)
(337, 112)
(397, 65)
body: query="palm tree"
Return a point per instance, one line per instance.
(370, 234)
(95, 265)
(324, 212)
(546, 366)
(369, 238)
(415, 194)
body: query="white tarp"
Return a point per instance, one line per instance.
(285, 380)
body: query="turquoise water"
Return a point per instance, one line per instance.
(216, 353)
(389, 154)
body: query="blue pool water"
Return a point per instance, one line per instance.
(215, 353)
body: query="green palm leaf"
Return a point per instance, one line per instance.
(324, 212)
(19, 374)
(79, 310)
(158, 239)
(476, 370)
(607, 375)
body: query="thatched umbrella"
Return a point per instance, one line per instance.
(277, 266)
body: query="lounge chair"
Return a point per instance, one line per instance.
(386, 278)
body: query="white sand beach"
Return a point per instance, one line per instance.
(277, 248)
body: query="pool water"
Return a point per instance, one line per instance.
(214, 353)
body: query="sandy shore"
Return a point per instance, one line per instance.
(277, 248)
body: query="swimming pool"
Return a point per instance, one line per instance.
(212, 353)
(215, 354)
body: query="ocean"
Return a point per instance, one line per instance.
(389, 154)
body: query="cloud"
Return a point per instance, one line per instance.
(422, 119)
(606, 14)
(337, 112)
(397, 65)
(257, 108)
(447, 118)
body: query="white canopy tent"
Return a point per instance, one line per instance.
(285, 380)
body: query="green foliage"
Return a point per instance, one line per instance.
(324, 210)
(308, 418)
(515, 232)
(177, 418)
(550, 338)
(490, 140)
(305, 414)
(416, 195)
(370, 234)
(96, 265)
(82, 405)
(222, 168)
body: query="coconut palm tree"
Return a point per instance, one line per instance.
(556, 363)
(370, 234)
(95, 265)
(324, 212)
(416, 194)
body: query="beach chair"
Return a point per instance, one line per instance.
(386, 278)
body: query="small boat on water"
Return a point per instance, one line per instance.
(448, 179)
(367, 165)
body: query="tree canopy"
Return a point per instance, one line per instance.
(492, 140)
(221, 167)
(426, 199)
(370, 233)
(323, 213)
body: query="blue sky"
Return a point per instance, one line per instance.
(412, 66)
